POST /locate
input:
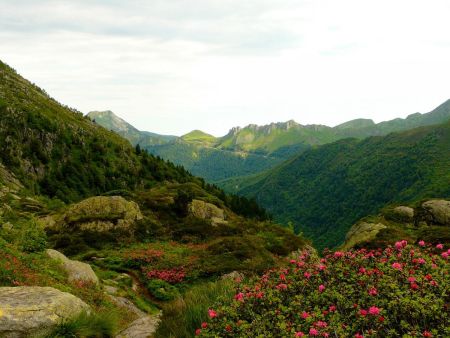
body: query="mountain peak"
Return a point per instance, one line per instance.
(109, 120)
(198, 136)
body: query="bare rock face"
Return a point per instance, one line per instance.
(362, 232)
(403, 213)
(207, 211)
(77, 271)
(437, 212)
(103, 213)
(29, 311)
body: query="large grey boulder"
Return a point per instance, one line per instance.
(76, 271)
(29, 311)
(207, 211)
(103, 214)
(437, 211)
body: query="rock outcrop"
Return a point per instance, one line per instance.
(76, 271)
(436, 212)
(103, 214)
(404, 214)
(33, 311)
(207, 211)
(362, 232)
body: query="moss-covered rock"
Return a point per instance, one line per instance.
(32, 311)
(437, 212)
(103, 213)
(207, 211)
(362, 232)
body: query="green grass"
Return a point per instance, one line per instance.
(87, 325)
(183, 316)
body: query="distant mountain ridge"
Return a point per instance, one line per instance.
(111, 121)
(253, 149)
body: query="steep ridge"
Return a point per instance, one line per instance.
(325, 190)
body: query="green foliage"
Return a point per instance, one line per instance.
(33, 237)
(98, 325)
(162, 290)
(329, 188)
(182, 316)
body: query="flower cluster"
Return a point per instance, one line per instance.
(143, 255)
(403, 290)
(173, 276)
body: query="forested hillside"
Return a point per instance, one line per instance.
(325, 190)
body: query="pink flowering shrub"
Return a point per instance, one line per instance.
(403, 290)
(172, 276)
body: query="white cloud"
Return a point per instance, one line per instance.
(170, 66)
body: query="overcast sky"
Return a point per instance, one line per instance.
(170, 66)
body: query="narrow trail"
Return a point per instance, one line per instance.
(145, 325)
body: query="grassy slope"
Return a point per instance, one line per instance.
(325, 190)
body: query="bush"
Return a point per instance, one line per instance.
(33, 237)
(87, 325)
(162, 290)
(402, 291)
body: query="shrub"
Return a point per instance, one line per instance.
(33, 237)
(400, 291)
(162, 290)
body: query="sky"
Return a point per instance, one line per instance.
(171, 66)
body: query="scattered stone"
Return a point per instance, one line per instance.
(33, 311)
(77, 271)
(143, 327)
(235, 275)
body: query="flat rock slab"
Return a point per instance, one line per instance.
(30, 310)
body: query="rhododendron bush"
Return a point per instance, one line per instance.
(402, 291)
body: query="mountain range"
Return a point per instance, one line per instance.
(253, 149)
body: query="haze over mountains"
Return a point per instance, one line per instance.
(252, 149)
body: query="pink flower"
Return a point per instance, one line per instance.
(212, 313)
(374, 311)
(313, 332)
(307, 275)
(322, 267)
(283, 277)
(362, 270)
(440, 246)
(281, 286)
(239, 297)
(293, 261)
(427, 334)
(299, 334)
(445, 255)
(373, 291)
(414, 286)
(204, 325)
(411, 279)
(363, 312)
(332, 308)
(358, 335)
(321, 288)
(338, 254)
(321, 324)
(421, 261)
(397, 266)
(197, 332)
(305, 315)
(422, 243)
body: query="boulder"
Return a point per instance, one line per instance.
(103, 213)
(207, 211)
(403, 213)
(33, 311)
(362, 232)
(437, 212)
(76, 271)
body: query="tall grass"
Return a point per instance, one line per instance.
(184, 315)
(99, 325)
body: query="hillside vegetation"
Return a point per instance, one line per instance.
(325, 190)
